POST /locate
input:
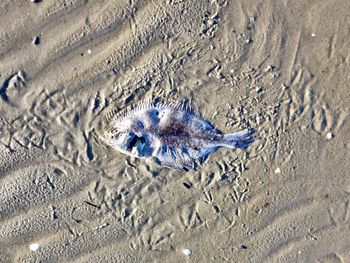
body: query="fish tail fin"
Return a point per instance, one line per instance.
(240, 139)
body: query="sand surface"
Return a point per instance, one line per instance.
(281, 67)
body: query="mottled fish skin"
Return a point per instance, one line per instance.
(177, 136)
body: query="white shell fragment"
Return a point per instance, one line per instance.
(34, 247)
(277, 171)
(187, 252)
(330, 136)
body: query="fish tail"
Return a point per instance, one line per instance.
(240, 139)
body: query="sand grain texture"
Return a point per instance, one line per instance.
(281, 67)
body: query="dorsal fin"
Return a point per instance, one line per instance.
(183, 105)
(112, 113)
(118, 113)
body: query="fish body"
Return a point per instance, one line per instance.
(177, 136)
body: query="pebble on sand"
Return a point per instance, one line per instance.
(34, 247)
(187, 252)
(330, 136)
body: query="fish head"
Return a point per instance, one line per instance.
(129, 137)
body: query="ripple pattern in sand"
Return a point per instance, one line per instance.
(242, 63)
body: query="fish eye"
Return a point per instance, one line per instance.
(114, 131)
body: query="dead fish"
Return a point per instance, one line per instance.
(174, 134)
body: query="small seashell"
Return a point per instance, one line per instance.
(330, 135)
(36, 40)
(187, 252)
(258, 89)
(34, 247)
(277, 171)
(269, 68)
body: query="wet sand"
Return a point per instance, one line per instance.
(281, 67)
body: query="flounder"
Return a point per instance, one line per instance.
(174, 134)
